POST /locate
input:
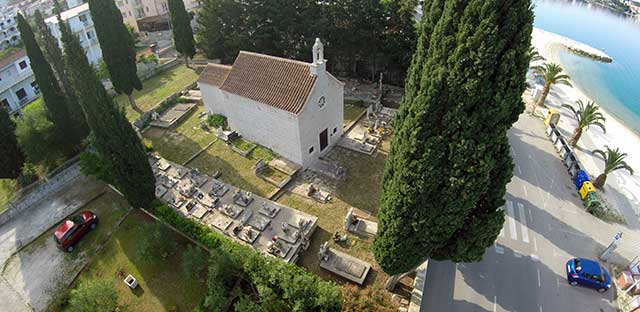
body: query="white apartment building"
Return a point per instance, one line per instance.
(18, 86)
(139, 12)
(79, 18)
(9, 34)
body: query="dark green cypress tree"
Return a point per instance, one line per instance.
(115, 140)
(118, 48)
(182, 32)
(54, 99)
(449, 161)
(11, 157)
(53, 54)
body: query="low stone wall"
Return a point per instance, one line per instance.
(41, 189)
(144, 119)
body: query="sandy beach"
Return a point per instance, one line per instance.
(622, 190)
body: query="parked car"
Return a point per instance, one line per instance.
(72, 230)
(588, 273)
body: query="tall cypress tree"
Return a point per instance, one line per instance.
(182, 32)
(115, 140)
(53, 54)
(449, 162)
(11, 157)
(54, 99)
(118, 48)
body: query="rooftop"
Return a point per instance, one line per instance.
(69, 13)
(278, 82)
(11, 55)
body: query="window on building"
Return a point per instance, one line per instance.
(129, 13)
(335, 130)
(5, 104)
(83, 18)
(36, 87)
(126, 1)
(21, 94)
(310, 150)
(147, 9)
(90, 35)
(23, 65)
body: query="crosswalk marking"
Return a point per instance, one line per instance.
(523, 223)
(512, 221)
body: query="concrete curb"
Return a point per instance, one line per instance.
(418, 287)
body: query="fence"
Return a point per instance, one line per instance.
(33, 193)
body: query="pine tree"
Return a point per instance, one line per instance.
(115, 139)
(11, 157)
(54, 99)
(449, 163)
(182, 32)
(118, 48)
(53, 54)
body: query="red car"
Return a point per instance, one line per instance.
(72, 230)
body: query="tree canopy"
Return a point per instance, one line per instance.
(118, 47)
(361, 37)
(449, 163)
(115, 140)
(182, 32)
(11, 157)
(54, 98)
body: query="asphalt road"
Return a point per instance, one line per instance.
(545, 226)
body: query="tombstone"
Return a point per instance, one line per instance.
(369, 112)
(348, 219)
(259, 166)
(155, 116)
(323, 253)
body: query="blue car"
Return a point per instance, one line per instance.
(588, 273)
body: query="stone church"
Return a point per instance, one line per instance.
(292, 107)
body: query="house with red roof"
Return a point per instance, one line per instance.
(294, 108)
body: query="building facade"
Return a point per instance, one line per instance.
(9, 34)
(139, 12)
(18, 85)
(294, 108)
(79, 19)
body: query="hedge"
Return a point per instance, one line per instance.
(289, 284)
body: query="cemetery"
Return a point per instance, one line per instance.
(271, 228)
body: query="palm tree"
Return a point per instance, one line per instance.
(552, 74)
(534, 55)
(587, 116)
(613, 160)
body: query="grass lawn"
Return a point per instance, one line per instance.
(157, 89)
(362, 190)
(243, 144)
(274, 174)
(180, 144)
(7, 188)
(351, 112)
(162, 286)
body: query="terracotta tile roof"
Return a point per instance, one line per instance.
(12, 56)
(278, 82)
(214, 74)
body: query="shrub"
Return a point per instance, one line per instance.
(93, 164)
(194, 261)
(29, 174)
(600, 211)
(96, 295)
(279, 284)
(156, 243)
(148, 59)
(217, 121)
(38, 137)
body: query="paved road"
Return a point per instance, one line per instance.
(545, 226)
(31, 223)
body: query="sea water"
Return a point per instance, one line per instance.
(614, 86)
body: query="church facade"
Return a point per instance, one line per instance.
(292, 107)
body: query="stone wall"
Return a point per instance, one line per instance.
(41, 189)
